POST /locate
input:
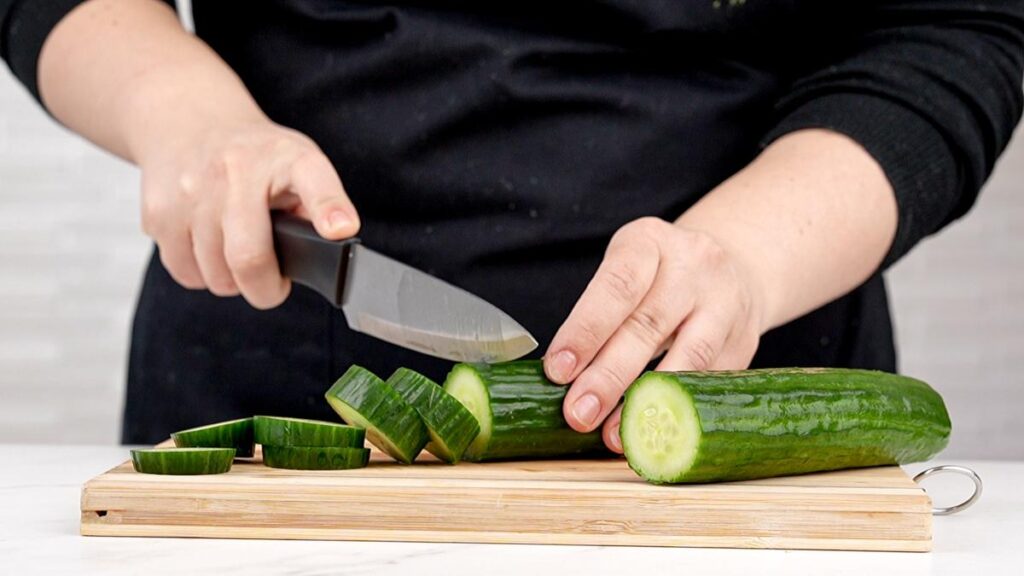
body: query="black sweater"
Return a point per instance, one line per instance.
(500, 144)
(932, 89)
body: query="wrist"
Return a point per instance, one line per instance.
(169, 108)
(810, 219)
(745, 259)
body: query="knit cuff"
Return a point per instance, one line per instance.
(911, 151)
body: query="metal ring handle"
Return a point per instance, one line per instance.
(963, 471)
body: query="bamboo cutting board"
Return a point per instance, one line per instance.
(539, 502)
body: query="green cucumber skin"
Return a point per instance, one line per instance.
(380, 405)
(183, 461)
(237, 434)
(443, 415)
(315, 458)
(526, 415)
(279, 431)
(778, 422)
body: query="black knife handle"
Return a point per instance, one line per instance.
(309, 259)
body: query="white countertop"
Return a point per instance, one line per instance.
(39, 510)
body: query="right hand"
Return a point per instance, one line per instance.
(206, 201)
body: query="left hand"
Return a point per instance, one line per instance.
(661, 288)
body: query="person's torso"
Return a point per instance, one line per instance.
(498, 145)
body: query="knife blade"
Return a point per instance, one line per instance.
(395, 302)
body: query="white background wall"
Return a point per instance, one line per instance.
(71, 257)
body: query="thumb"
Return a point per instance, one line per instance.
(315, 181)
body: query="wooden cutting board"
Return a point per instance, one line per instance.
(538, 502)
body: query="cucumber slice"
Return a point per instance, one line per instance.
(235, 434)
(451, 427)
(721, 426)
(183, 461)
(364, 400)
(278, 431)
(313, 458)
(519, 411)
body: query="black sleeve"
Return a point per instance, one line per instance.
(932, 90)
(24, 26)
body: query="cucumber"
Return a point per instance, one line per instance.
(720, 426)
(183, 461)
(519, 411)
(364, 400)
(235, 434)
(278, 431)
(315, 458)
(451, 427)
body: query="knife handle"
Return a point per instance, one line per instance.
(308, 258)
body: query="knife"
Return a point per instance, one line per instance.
(395, 302)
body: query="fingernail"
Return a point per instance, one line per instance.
(616, 441)
(338, 221)
(586, 408)
(561, 366)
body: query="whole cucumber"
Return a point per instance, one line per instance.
(718, 426)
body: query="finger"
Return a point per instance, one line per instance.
(249, 249)
(664, 347)
(178, 258)
(619, 285)
(699, 342)
(208, 245)
(738, 351)
(597, 390)
(313, 178)
(610, 431)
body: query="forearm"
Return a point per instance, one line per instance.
(811, 219)
(124, 74)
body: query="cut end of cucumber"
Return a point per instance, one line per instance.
(373, 434)
(660, 429)
(466, 386)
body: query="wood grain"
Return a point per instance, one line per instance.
(598, 502)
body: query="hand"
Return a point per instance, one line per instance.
(207, 197)
(661, 288)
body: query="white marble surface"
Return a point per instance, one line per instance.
(39, 492)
